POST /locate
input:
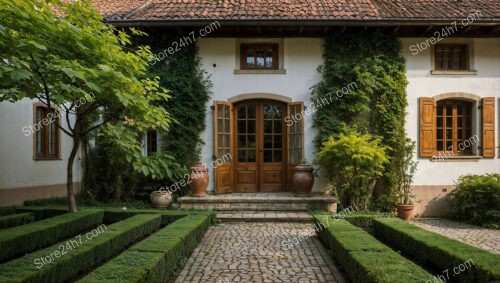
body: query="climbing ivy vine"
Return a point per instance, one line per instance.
(376, 105)
(189, 91)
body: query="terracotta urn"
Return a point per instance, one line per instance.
(198, 176)
(405, 211)
(303, 179)
(161, 198)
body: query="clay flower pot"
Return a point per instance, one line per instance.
(405, 211)
(198, 176)
(161, 199)
(303, 179)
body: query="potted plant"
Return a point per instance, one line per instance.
(406, 203)
(161, 198)
(303, 178)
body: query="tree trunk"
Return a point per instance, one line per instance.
(69, 172)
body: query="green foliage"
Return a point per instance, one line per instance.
(16, 220)
(372, 63)
(83, 258)
(476, 200)
(353, 162)
(363, 258)
(189, 88)
(7, 210)
(406, 174)
(156, 258)
(181, 73)
(57, 59)
(19, 240)
(438, 252)
(42, 212)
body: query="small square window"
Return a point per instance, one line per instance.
(261, 56)
(451, 57)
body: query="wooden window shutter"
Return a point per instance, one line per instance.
(223, 136)
(427, 127)
(488, 127)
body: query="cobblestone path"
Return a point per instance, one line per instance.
(482, 238)
(254, 252)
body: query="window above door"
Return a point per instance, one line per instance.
(259, 56)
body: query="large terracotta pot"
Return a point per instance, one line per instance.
(405, 211)
(303, 179)
(198, 180)
(161, 199)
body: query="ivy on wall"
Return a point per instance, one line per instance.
(189, 87)
(189, 90)
(376, 104)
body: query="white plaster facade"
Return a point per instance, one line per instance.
(18, 168)
(302, 56)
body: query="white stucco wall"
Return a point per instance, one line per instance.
(486, 83)
(17, 167)
(301, 57)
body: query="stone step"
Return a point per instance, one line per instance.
(264, 216)
(259, 202)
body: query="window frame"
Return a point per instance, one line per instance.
(465, 56)
(148, 141)
(45, 155)
(454, 128)
(275, 57)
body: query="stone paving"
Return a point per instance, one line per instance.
(255, 252)
(482, 238)
(265, 216)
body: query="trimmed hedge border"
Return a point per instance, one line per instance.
(19, 240)
(42, 212)
(363, 257)
(16, 220)
(437, 251)
(82, 258)
(7, 210)
(112, 215)
(157, 257)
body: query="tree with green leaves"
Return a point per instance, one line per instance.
(57, 53)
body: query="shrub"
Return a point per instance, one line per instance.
(476, 200)
(363, 258)
(7, 210)
(19, 240)
(157, 257)
(82, 258)
(15, 220)
(438, 252)
(116, 214)
(42, 212)
(353, 163)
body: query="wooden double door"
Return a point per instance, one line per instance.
(256, 135)
(259, 164)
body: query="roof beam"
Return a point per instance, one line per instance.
(301, 30)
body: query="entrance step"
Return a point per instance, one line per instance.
(239, 202)
(264, 216)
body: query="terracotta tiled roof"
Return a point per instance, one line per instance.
(355, 10)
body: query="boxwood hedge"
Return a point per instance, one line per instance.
(438, 252)
(157, 257)
(42, 212)
(26, 238)
(84, 257)
(363, 258)
(16, 220)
